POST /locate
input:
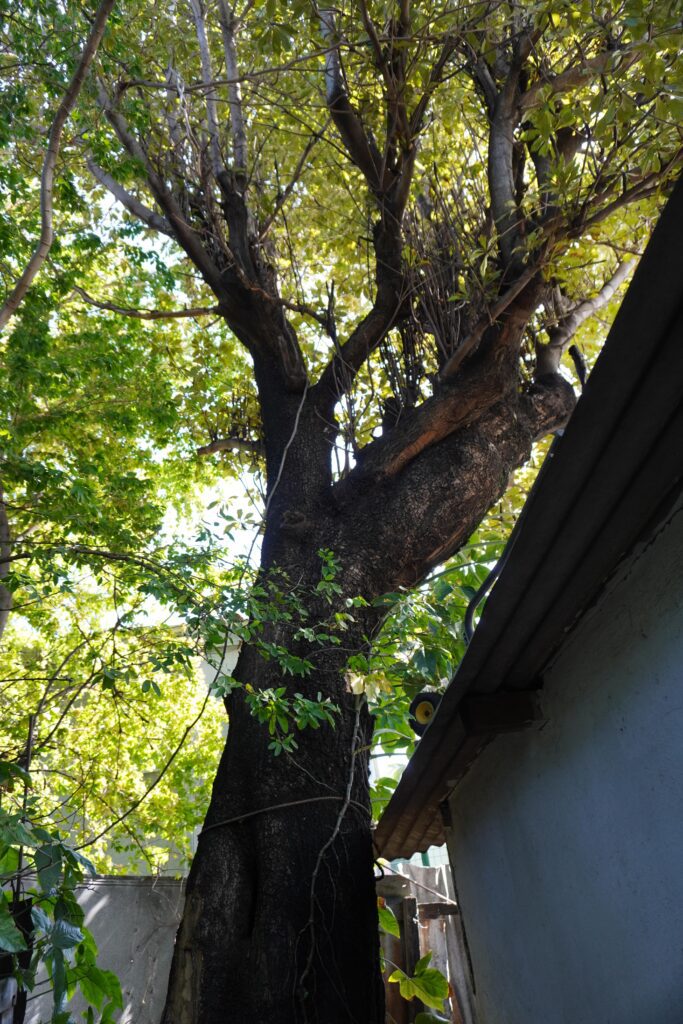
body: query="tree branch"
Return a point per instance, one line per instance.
(210, 94)
(236, 444)
(184, 233)
(50, 162)
(291, 184)
(471, 342)
(147, 314)
(434, 80)
(131, 203)
(576, 75)
(548, 356)
(364, 155)
(501, 176)
(647, 185)
(239, 135)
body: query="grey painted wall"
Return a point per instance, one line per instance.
(134, 921)
(567, 843)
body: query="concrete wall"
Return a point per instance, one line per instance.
(567, 843)
(134, 922)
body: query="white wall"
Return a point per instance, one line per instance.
(134, 922)
(567, 842)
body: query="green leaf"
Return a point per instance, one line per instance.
(9, 770)
(388, 922)
(427, 984)
(11, 939)
(48, 861)
(65, 935)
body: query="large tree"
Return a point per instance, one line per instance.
(403, 213)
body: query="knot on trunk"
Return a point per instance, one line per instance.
(547, 404)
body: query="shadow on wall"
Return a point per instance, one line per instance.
(134, 921)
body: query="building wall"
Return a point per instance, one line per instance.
(567, 842)
(134, 922)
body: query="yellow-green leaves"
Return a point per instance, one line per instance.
(426, 983)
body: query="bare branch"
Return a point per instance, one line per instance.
(577, 75)
(207, 78)
(184, 233)
(234, 444)
(471, 342)
(50, 162)
(362, 152)
(239, 135)
(130, 202)
(147, 314)
(548, 356)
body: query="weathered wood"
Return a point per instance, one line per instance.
(411, 946)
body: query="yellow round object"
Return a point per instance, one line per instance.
(424, 711)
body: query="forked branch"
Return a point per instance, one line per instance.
(360, 148)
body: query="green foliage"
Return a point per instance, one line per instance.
(426, 983)
(59, 938)
(387, 919)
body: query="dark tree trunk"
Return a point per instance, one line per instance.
(280, 924)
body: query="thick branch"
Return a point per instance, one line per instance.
(363, 153)
(422, 515)
(50, 162)
(340, 372)
(210, 94)
(130, 202)
(549, 356)
(471, 342)
(501, 175)
(452, 408)
(184, 233)
(239, 135)
(577, 75)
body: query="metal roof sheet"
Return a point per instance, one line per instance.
(619, 463)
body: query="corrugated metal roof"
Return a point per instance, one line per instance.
(619, 463)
